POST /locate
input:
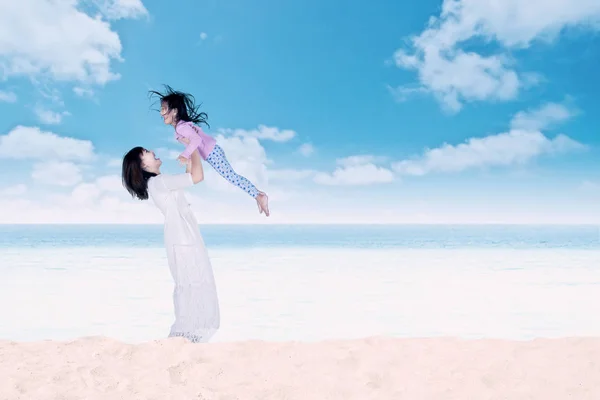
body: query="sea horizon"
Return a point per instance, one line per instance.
(346, 236)
(268, 223)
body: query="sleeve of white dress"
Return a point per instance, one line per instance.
(179, 181)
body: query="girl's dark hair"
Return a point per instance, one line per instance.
(134, 177)
(187, 111)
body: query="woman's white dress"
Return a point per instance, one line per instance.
(197, 315)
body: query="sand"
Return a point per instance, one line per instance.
(374, 368)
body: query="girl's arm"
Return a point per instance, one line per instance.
(188, 132)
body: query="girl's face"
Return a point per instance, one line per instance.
(168, 115)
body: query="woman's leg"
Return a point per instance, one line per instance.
(195, 299)
(219, 162)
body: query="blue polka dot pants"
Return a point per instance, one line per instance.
(219, 162)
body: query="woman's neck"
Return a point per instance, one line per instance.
(154, 171)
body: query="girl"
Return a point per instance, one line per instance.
(197, 315)
(178, 110)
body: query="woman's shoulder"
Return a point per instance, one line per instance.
(153, 180)
(170, 182)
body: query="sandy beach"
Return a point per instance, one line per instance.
(372, 368)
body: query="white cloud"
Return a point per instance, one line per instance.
(15, 190)
(203, 35)
(456, 76)
(109, 183)
(246, 156)
(97, 201)
(48, 92)
(121, 9)
(357, 160)
(467, 76)
(103, 200)
(31, 143)
(58, 40)
(541, 118)
(306, 149)
(262, 133)
(504, 149)
(114, 162)
(50, 117)
(58, 173)
(8, 97)
(83, 91)
(91, 206)
(355, 171)
(403, 93)
(85, 194)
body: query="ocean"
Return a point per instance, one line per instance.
(306, 283)
(313, 236)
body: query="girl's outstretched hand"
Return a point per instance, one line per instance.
(183, 161)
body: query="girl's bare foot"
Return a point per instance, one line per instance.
(263, 203)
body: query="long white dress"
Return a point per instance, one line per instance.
(197, 315)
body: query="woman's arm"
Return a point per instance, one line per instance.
(195, 167)
(193, 174)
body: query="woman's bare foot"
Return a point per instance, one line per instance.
(263, 203)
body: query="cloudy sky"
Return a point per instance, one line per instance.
(461, 111)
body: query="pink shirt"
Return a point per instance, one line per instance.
(198, 139)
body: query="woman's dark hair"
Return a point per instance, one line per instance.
(134, 177)
(187, 111)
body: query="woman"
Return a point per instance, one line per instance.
(197, 315)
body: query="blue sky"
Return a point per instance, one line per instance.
(441, 112)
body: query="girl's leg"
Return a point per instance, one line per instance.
(219, 162)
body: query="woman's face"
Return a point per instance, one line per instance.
(169, 115)
(150, 162)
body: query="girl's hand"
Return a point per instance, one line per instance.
(182, 160)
